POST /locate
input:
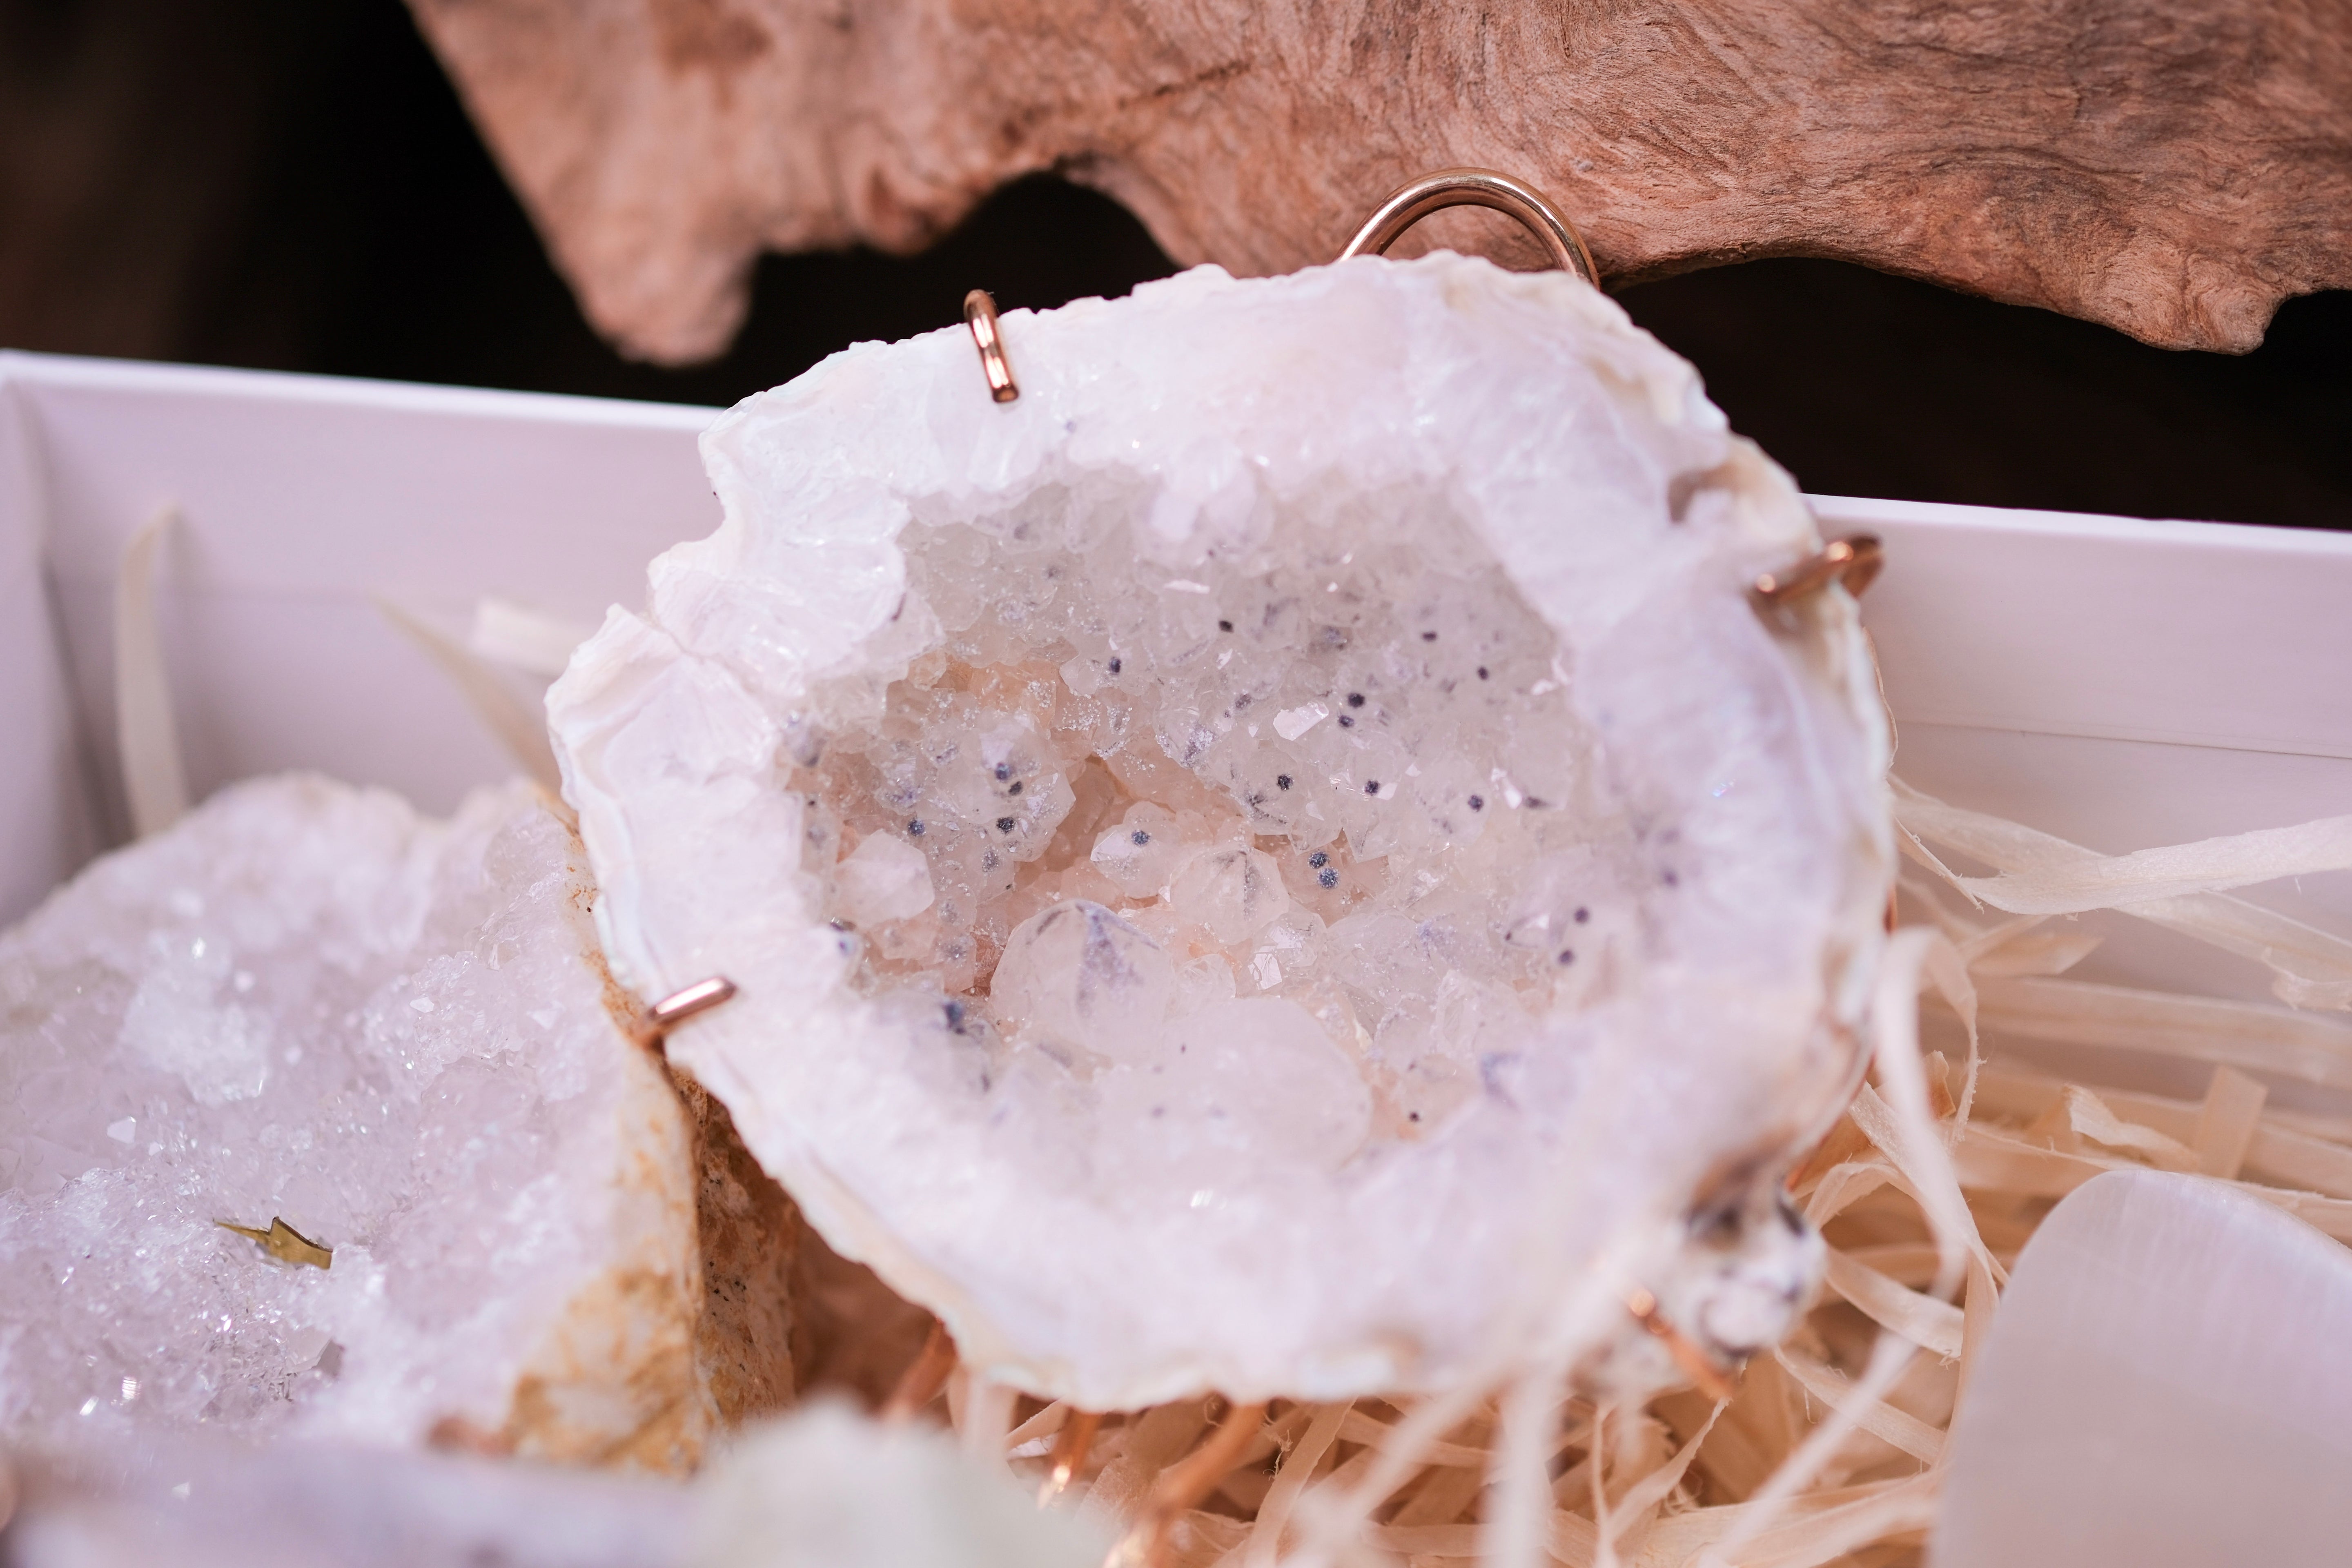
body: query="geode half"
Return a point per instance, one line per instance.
(304, 1002)
(1255, 863)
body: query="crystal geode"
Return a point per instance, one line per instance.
(306, 1003)
(1252, 865)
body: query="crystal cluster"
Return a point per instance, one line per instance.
(1253, 865)
(1254, 781)
(305, 1004)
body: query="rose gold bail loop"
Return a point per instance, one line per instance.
(980, 315)
(1477, 188)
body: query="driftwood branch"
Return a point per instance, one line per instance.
(2173, 168)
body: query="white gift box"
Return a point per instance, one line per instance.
(2120, 683)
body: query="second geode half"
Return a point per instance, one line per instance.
(1258, 863)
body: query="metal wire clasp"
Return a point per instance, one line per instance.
(283, 1242)
(656, 1021)
(1477, 188)
(1693, 1362)
(980, 315)
(1854, 561)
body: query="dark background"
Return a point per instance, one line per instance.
(293, 184)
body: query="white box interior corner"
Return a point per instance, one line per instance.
(302, 500)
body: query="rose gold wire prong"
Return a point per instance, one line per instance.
(1182, 1485)
(1694, 1362)
(284, 1243)
(1854, 561)
(980, 315)
(1070, 1446)
(921, 1382)
(1409, 203)
(678, 1006)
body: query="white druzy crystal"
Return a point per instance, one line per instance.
(305, 1003)
(1256, 863)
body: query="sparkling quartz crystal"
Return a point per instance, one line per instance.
(305, 1003)
(1256, 865)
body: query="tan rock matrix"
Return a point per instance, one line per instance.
(2173, 169)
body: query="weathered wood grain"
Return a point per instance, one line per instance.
(2173, 168)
